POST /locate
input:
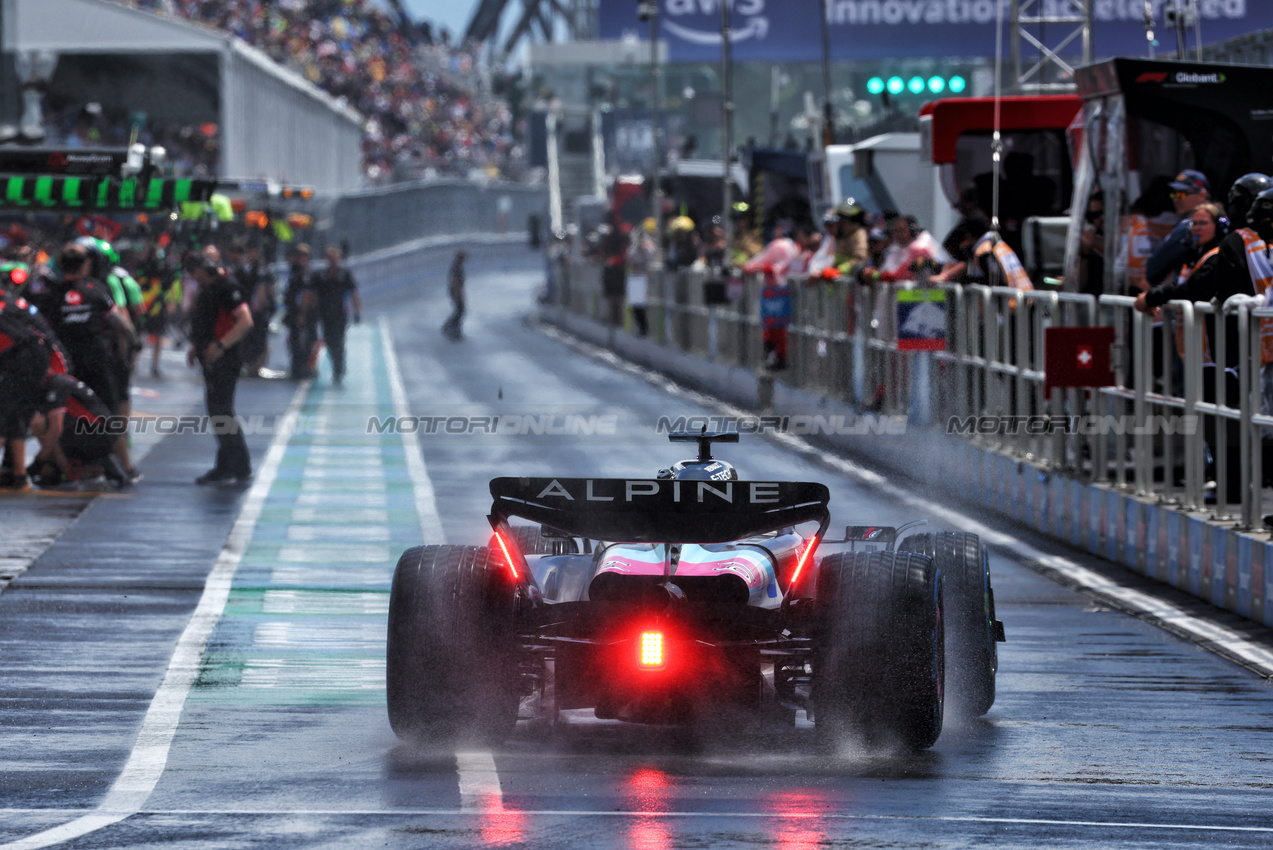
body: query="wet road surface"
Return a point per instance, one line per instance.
(190, 667)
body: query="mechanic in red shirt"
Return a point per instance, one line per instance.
(221, 318)
(97, 334)
(24, 358)
(71, 424)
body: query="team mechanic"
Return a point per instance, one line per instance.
(221, 318)
(24, 358)
(96, 332)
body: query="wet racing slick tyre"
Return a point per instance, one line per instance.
(971, 631)
(451, 672)
(878, 658)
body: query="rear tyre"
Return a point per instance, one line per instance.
(970, 616)
(451, 672)
(878, 660)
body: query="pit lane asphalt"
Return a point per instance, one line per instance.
(1107, 731)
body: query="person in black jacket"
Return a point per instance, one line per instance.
(98, 335)
(334, 286)
(259, 289)
(219, 321)
(455, 279)
(24, 358)
(69, 424)
(300, 313)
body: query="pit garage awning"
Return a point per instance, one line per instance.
(943, 121)
(270, 120)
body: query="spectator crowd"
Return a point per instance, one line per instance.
(427, 103)
(1179, 241)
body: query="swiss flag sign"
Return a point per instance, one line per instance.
(1077, 357)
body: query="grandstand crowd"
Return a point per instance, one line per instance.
(427, 103)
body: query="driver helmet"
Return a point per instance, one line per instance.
(1260, 216)
(700, 470)
(101, 253)
(1243, 193)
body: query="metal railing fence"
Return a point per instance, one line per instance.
(1173, 428)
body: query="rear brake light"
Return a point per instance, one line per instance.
(508, 558)
(651, 649)
(804, 556)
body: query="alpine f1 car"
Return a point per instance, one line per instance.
(667, 600)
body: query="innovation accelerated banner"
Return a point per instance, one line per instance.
(789, 31)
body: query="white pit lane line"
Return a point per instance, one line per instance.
(1220, 639)
(150, 752)
(478, 779)
(479, 783)
(425, 502)
(643, 815)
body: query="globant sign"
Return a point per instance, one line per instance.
(789, 31)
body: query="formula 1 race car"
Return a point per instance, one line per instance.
(666, 600)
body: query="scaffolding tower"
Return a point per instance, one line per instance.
(1059, 32)
(574, 19)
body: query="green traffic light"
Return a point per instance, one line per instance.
(916, 85)
(875, 85)
(896, 85)
(936, 85)
(958, 84)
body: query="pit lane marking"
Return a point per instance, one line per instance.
(478, 778)
(662, 815)
(1224, 641)
(421, 484)
(479, 781)
(338, 532)
(338, 498)
(149, 756)
(371, 516)
(326, 554)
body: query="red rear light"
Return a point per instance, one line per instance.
(18, 276)
(651, 650)
(508, 557)
(804, 557)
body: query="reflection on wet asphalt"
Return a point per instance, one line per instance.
(1107, 732)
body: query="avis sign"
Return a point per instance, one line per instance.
(791, 30)
(684, 20)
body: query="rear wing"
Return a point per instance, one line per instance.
(659, 511)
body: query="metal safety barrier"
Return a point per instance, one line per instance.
(388, 216)
(1172, 428)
